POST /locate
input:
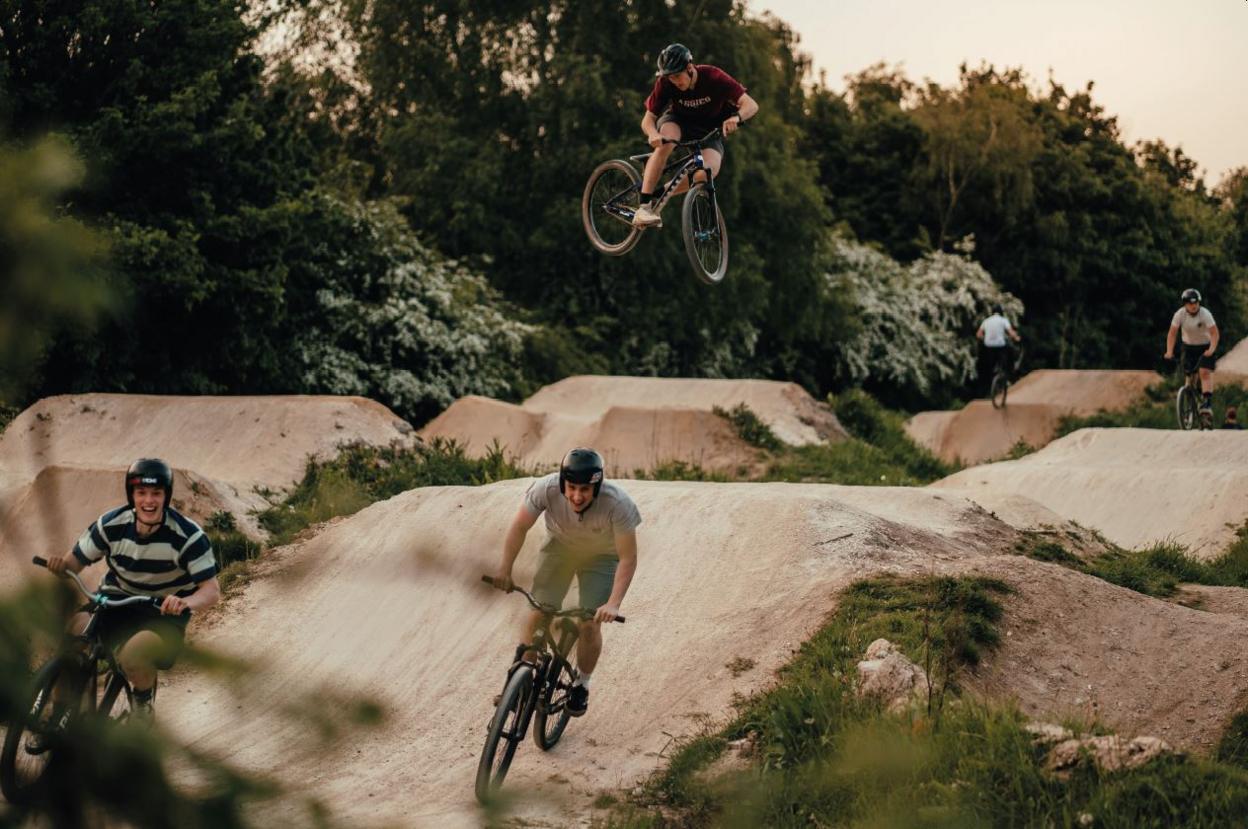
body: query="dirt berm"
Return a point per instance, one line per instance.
(637, 422)
(1036, 405)
(1137, 486)
(388, 604)
(62, 459)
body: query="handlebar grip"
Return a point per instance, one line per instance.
(40, 560)
(488, 580)
(619, 619)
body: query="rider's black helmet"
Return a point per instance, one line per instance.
(673, 59)
(998, 308)
(581, 466)
(1191, 295)
(149, 472)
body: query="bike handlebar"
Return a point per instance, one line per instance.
(580, 612)
(99, 599)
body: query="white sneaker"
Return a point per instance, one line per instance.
(646, 216)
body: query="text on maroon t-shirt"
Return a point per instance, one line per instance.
(713, 98)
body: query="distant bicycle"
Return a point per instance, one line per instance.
(1187, 404)
(535, 691)
(613, 194)
(1001, 379)
(92, 685)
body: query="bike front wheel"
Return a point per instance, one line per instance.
(1000, 388)
(1187, 408)
(706, 235)
(22, 767)
(552, 709)
(506, 732)
(612, 196)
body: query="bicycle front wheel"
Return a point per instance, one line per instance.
(612, 196)
(1000, 388)
(23, 764)
(1187, 406)
(552, 709)
(506, 732)
(706, 235)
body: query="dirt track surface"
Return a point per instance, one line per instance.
(1036, 404)
(1233, 365)
(636, 422)
(388, 603)
(1137, 486)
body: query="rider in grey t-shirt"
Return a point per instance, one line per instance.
(1200, 341)
(592, 535)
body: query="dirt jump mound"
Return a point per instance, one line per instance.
(729, 573)
(1036, 405)
(1137, 486)
(636, 422)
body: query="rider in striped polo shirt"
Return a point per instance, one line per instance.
(151, 550)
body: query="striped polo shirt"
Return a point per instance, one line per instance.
(173, 559)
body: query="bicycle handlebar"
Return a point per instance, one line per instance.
(100, 599)
(581, 612)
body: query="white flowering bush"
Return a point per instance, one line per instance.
(917, 322)
(395, 321)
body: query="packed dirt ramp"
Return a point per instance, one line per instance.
(1136, 486)
(1034, 408)
(638, 423)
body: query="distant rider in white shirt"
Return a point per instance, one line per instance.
(1200, 341)
(993, 333)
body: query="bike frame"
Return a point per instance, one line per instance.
(688, 165)
(552, 656)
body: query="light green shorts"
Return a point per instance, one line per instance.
(595, 575)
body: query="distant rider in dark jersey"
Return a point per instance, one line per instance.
(592, 527)
(688, 101)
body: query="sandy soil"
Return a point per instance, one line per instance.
(637, 422)
(1137, 486)
(1036, 404)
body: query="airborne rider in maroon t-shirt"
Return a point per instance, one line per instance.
(688, 100)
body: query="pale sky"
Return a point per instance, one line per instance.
(1170, 69)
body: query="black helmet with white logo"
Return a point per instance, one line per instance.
(149, 472)
(1191, 295)
(581, 466)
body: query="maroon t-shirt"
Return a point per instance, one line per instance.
(709, 101)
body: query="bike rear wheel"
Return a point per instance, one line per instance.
(1000, 388)
(1187, 407)
(612, 196)
(506, 732)
(706, 235)
(552, 709)
(22, 772)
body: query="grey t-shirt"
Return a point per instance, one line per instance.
(1194, 327)
(589, 532)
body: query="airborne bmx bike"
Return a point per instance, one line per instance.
(91, 685)
(1001, 375)
(613, 194)
(535, 691)
(1187, 404)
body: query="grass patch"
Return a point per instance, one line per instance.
(1155, 571)
(684, 471)
(824, 757)
(361, 475)
(1156, 409)
(749, 427)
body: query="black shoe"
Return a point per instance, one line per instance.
(578, 700)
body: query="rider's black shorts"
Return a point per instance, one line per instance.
(690, 130)
(1194, 358)
(118, 624)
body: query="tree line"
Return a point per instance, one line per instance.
(382, 197)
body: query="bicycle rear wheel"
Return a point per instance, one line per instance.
(706, 235)
(552, 709)
(612, 195)
(1187, 406)
(21, 771)
(506, 732)
(1000, 388)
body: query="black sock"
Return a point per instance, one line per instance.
(647, 198)
(1208, 396)
(144, 697)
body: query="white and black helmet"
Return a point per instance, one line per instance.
(149, 472)
(1191, 295)
(581, 466)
